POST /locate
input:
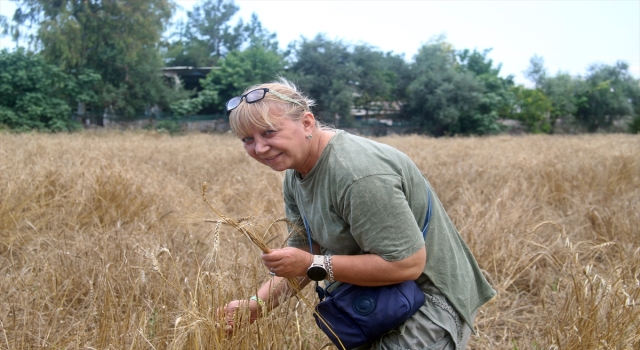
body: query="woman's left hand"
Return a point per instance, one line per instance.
(288, 262)
(228, 313)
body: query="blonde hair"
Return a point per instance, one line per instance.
(265, 113)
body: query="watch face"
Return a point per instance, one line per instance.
(316, 273)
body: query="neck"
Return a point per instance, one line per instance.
(319, 142)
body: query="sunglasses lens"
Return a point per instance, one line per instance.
(255, 95)
(233, 103)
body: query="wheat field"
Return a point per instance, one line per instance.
(106, 243)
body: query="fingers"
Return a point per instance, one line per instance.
(226, 318)
(232, 316)
(228, 313)
(287, 262)
(275, 255)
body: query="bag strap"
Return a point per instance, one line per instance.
(428, 217)
(320, 290)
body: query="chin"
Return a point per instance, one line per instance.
(277, 168)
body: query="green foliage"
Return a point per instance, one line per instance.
(116, 40)
(634, 125)
(340, 77)
(562, 91)
(34, 95)
(191, 106)
(450, 97)
(375, 79)
(257, 36)
(536, 71)
(171, 127)
(322, 68)
(532, 107)
(209, 36)
(209, 39)
(241, 69)
(108, 55)
(497, 96)
(236, 72)
(4, 26)
(608, 96)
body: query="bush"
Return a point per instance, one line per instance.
(33, 94)
(634, 125)
(166, 126)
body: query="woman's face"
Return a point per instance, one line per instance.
(283, 147)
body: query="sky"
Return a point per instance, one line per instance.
(569, 35)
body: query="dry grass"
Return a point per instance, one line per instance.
(104, 241)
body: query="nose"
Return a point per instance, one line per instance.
(260, 146)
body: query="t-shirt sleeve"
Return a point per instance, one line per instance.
(381, 220)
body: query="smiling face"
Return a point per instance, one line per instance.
(284, 144)
(274, 126)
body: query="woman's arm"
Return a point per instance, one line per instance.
(372, 270)
(364, 270)
(271, 293)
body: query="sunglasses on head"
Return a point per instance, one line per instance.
(255, 96)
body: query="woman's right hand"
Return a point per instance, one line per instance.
(288, 262)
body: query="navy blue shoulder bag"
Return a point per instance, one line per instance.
(352, 316)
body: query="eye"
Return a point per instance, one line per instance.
(246, 140)
(269, 132)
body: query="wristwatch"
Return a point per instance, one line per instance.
(317, 270)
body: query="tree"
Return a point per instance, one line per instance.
(375, 79)
(445, 97)
(118, 40)
(178, 50)
(497, 95)
(241, 55)
(236, 72)
(323, 69)
(257, 36)
(561, 91)
(34, 95)
(608, 95)
(634, 123)
(532, 107)
(208, 35)
(4, 26)
(536, 71)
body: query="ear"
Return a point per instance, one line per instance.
(308, 122)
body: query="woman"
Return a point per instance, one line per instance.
(365, 204)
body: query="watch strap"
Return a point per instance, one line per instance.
(318, 260)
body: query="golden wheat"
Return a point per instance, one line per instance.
(105, 243)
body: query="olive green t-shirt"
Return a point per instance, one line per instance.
(366, 197)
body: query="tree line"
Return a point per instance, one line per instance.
(107, 55)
